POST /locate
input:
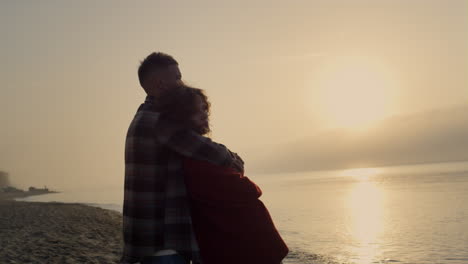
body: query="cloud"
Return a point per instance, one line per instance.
(306, 56)
(434, 136)
(290, 58)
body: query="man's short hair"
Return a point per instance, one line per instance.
(154, 61)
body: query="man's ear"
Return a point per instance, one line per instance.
(150, 85)
(156, 81)
(162, 85)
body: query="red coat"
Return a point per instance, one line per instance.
(231, 224)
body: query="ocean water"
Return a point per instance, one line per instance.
(404, 214)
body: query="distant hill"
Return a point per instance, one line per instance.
(4, 180)
(434, 136)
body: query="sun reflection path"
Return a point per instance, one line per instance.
(365, 207)
(361, 174)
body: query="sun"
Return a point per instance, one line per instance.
(354, 93)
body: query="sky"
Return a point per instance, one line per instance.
(439, 135)
(276, 73)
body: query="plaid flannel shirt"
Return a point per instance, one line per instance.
(156, 213)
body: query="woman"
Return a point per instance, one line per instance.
(231, 224)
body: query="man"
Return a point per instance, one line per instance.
(157, 225)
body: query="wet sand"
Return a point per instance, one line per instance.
(58, 233)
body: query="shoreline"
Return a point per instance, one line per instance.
(12, 196)
(23, 194)
(106, 206)
(53, 232)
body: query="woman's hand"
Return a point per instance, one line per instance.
(238, 162)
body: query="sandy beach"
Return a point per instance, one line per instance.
(58, 233)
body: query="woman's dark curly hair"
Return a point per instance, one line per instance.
(180, 104)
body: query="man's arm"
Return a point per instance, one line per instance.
(190, 144)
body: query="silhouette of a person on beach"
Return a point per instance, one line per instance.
(157, 224)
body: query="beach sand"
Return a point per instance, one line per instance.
(58, 233)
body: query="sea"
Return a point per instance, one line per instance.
(401, 214)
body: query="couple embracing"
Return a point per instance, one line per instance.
(186, 199)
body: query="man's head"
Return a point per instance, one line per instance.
(158, 72)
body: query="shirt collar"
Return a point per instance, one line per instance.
(150, 99)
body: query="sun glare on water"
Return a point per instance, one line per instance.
(365, 202)
(360, 174)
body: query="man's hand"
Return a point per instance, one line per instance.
(238, 162)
